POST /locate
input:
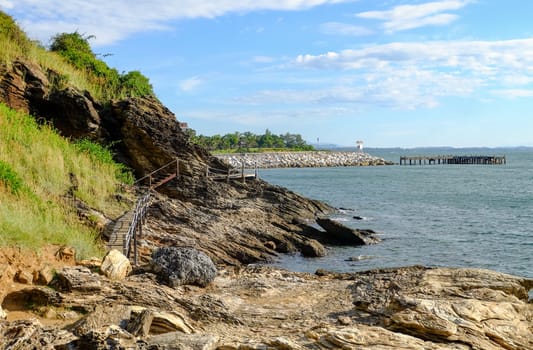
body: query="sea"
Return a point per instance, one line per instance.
(478, 216)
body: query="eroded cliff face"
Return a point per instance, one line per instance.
(234, 222)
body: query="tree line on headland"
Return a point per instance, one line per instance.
(249, 142)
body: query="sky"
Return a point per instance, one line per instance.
(392, 73)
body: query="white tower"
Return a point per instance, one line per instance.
(359, 146)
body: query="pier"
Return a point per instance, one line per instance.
(450, 159)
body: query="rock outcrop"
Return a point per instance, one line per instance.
(147, 136)
(338, 234)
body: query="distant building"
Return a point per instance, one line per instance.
(359, 146)
(183, 126)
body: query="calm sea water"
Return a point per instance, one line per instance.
(434, 215)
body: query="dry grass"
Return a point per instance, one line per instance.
(50, 168)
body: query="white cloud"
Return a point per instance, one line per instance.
(113, 20)
(337, 28)
(409, 88)
(514, 93)
(6, 4)
(476, 57)
(412, 75)
(404, 17)
(190, 84)
(263, 59)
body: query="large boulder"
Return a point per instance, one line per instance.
(178, 266)
(115, 265)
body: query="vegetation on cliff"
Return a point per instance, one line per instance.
(72, 59)
(41, 176)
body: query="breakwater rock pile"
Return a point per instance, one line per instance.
(315, 159)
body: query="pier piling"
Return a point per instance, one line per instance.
(450, 159)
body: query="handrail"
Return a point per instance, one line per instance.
(141, 209)
(142, 204)
(149, 175)
(139, 216)
(230, 173)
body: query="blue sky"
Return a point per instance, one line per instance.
(391, 73)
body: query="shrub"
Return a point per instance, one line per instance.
(10, 178)
(76, 50)
(135, 84)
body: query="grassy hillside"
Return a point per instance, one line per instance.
(40, 171)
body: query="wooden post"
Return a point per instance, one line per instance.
(242, 172)
(227, 177)
(206, 171)
(177, 167)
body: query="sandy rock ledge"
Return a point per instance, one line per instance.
(260, 307)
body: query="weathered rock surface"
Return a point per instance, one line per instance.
(180, 266)
(77, 278)
(115, 265)
(262, 307)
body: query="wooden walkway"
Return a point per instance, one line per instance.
(128, 228)
(450, 159)
(231, 174)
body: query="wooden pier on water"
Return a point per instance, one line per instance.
(450, 159)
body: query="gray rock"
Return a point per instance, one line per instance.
(179, 266)
(312, 248)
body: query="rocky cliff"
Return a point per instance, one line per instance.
(234, 222)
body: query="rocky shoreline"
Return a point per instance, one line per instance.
(313, 159)
(260, 307)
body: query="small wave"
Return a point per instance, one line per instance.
(341, 219)
(360, 257)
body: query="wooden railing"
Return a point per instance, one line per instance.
(128, 230)
(135, 228)
(231, 173)
(160, 176)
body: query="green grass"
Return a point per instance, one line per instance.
(38, 171)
